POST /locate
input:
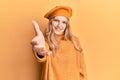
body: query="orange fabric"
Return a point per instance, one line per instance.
(59, 11)
(68, 64)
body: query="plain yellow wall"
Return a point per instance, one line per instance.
(95, 22)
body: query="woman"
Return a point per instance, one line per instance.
(58, 51)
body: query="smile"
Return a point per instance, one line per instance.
(58, 29)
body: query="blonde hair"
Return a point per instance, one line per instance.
(53, 41)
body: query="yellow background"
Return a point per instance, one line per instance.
(95, 22)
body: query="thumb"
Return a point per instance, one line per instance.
(36, 28)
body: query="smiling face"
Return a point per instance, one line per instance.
(59, 24)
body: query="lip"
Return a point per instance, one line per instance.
(58, 28)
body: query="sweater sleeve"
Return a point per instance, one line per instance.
(82, 66)
(81, 61)
(41, 58)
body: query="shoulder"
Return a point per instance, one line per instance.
(76, 39)
(77, 42)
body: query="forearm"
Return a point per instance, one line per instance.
(39, 58)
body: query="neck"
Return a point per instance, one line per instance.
(60, 36)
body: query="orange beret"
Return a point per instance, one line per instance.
(59, 11)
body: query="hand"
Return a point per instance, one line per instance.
(38, 42)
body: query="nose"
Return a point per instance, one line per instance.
(59, 24)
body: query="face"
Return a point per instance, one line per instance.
(59, 24)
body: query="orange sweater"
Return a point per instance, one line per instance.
(68, 64)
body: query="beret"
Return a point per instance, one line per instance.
(59, 11)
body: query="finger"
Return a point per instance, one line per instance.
(49, 53)
(36, 27)
(46, 53)
(42, 51)
(39, 47)
(34, 42)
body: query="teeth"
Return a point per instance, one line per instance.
(58, 29)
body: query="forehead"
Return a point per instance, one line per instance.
(63, 18)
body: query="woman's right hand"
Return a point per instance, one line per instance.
(38, 42)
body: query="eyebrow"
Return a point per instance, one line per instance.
(58, 19)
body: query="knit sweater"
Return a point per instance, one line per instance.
(67, 64)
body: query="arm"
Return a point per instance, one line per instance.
(38, 44)
(81, 61)
(82, 66)
(40, 57)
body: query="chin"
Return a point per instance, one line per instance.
(58, 33)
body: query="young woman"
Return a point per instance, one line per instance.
(58, 50)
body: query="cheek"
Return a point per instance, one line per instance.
(54, 23)
(64, 26)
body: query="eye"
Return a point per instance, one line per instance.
(64, 22)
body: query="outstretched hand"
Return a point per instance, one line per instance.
(38, 42)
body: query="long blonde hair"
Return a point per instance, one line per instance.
(53, 41)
